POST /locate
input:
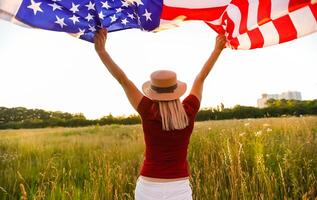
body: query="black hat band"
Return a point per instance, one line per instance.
(164, 89)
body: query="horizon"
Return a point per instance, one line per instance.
(65, 74)
(124, 115)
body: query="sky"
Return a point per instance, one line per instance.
(56, 72)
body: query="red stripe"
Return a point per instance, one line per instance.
(206, 14)
(296, 4)
(234, 43)
(313, 9)
(244, 10)
(218, 28)
(230, 25)
(257, 40)
(264, 11)
(285, 28)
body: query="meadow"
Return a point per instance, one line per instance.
(272, 158)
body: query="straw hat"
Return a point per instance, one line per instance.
(163, 86)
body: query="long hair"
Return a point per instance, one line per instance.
(173, 115)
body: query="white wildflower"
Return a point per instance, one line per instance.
(242, 134)
(258, 133)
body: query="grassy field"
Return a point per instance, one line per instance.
(231, 159)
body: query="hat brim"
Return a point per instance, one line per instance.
(178, 92)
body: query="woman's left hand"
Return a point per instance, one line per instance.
(100, 40)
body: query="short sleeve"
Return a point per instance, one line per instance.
(191, 104)
(144, 106)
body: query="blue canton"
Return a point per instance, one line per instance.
(84, 17)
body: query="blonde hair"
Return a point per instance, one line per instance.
(173, 115)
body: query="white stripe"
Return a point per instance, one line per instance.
(8, 10)
(279, 8)
(244, 41)
(216, 22)
(235, 15)
(253, 14)
(304, 21)
(270, 34)
(10, 6)
(196, 3)
(313, 1)
(168, 24)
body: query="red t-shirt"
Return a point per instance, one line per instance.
(166, 151)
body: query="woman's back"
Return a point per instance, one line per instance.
(166, 151)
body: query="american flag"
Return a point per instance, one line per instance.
(248, 24)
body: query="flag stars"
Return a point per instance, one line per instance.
(105, 5)
(35, 7)
(81, 32)
(89, 17)
(90, 6)
(125, 3)
(101, 15)
(74, 18)
(92, 28)
(147, 15)
(113, 18)
(131, 16)
(138, 2)
(124, 21)
(60, 21)
(119, 10)
(55, 6)
(74, 8)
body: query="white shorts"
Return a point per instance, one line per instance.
(174, 190)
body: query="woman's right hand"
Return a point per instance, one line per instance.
(220, 42)
(100, 40)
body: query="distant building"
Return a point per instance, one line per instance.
(291, 95)
(285, 95)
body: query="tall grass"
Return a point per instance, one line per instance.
(231, 159)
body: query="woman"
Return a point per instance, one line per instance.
(167, 124)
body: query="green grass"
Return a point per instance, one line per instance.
(230, 159)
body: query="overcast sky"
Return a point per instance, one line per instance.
(54, 71)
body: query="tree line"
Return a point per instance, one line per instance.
(20, 117)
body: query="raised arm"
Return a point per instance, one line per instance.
(197, 87)
(134, 95)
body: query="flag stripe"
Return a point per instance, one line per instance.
(257, 40)
(235, 16)
(313, 8)
(279, 8)
(229, 26)
(244, 41)
(304, 21)
(170, 13)
(9, 6)
(269, 33)
(264, 11)
(234, 43)
(218, 28)
(297, 4)
(243, 7)
(285, 28)
(252, 14)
